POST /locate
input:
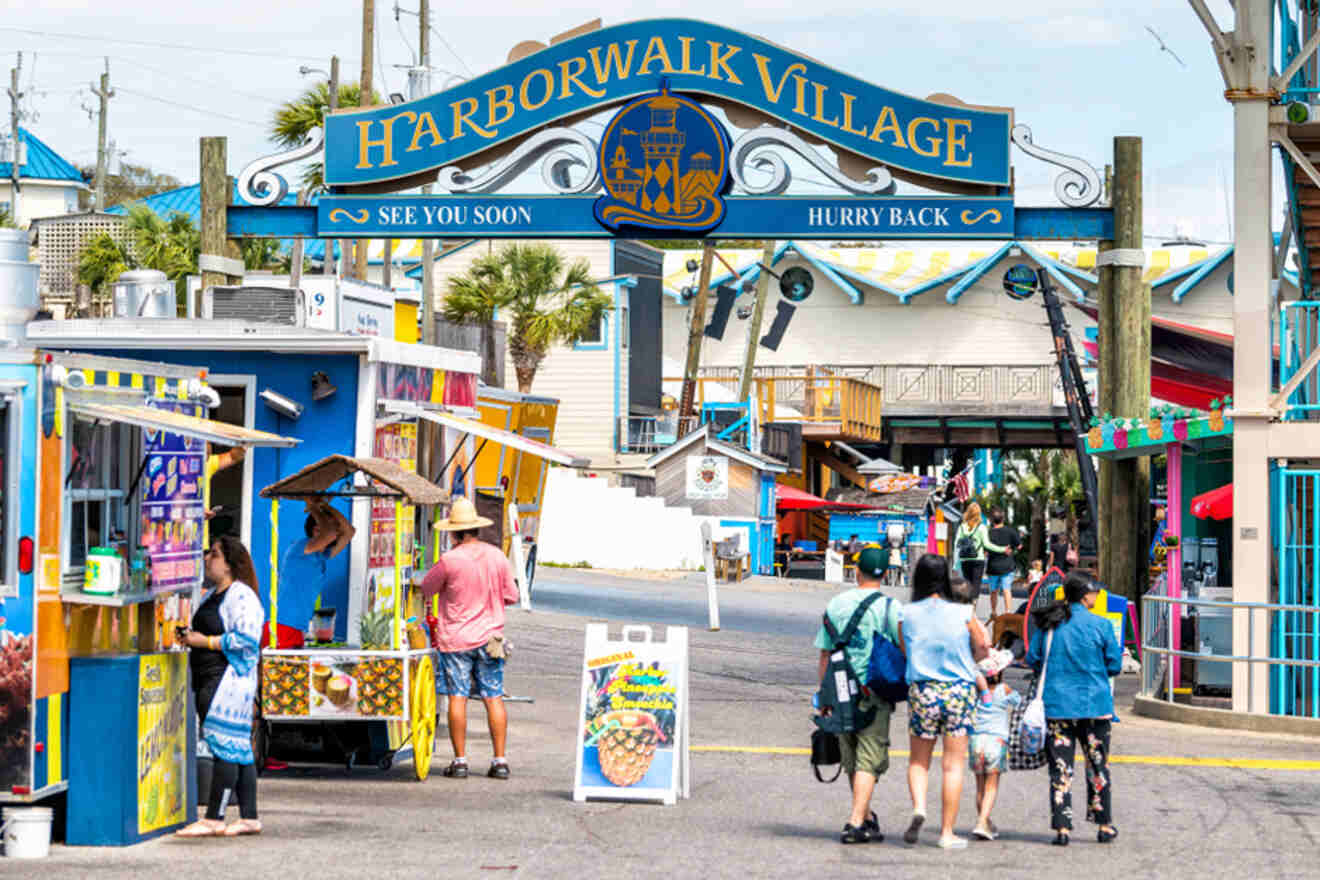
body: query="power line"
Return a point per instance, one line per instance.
(442, 39)
(206, 82)
(211, 113)
(155, 45)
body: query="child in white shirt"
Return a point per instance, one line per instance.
(987, 750)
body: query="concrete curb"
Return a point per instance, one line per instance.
(1224, 719)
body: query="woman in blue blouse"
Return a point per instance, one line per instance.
(1082, 655)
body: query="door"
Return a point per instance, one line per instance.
(231, 485)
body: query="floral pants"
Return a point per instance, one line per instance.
(1060, 748)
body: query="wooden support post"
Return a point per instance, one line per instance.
(216, 189)
(1127, 488)
(754, 326)
(368, 60)
(1107, 344)
(696, 329)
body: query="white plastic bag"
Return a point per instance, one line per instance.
(1031, 733)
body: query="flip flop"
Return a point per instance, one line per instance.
(201, 828)
(242, 827)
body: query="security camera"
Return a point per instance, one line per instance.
(290, 409)
(693, 265)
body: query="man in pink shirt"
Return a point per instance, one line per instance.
(474, 582)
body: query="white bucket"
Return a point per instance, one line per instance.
(27, 832)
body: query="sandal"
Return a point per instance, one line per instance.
(242, 827)
(914, 828)
(853, 834)
(202, 828)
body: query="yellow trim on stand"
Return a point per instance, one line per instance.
(54, 738)
(274, 570)
(398, 573)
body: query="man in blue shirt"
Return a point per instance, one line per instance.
(303, 565)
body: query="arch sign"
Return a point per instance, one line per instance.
(665, 163)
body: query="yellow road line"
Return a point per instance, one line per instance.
(1160, 760)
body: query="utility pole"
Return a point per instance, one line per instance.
(364, 100)
(328, 262)
(754, 325)
(695, 330)
(1124, 328)
(14, 96)
(105, 93)
(428, 245)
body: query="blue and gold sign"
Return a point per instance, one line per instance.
(612, 66)
(665, 164)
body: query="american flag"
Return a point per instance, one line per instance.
(962, 486)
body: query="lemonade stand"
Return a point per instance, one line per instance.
(389, 674)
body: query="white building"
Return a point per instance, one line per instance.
(48, 183)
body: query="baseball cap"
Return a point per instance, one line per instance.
(872, 561)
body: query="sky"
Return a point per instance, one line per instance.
(1077, 72)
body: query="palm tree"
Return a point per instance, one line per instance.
(291, 122)
(102, 260)
(546, 304)
(261, 253)
(170, 246)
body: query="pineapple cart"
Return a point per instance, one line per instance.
(389, 676)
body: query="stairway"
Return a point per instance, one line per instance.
(586, 520)
(1304, 204)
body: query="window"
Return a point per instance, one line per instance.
(101, 465)
(10, 470)
(595, 338)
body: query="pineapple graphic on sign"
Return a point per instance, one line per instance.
(629, 714)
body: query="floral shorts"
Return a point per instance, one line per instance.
(941, 708)
(471, 674)
(987, 754)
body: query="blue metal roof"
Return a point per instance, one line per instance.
(42, 163)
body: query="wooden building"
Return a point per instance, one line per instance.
(725, 482)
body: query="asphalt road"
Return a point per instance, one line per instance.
(753, 812)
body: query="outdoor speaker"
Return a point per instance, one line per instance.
(783, 314)
(719, 318)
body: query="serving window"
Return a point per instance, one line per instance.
(101, 460)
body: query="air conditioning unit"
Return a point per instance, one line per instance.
(267, 305)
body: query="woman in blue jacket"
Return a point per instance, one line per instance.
(1079, 706)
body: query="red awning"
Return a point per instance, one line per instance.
(1215, 504)
(788, 498)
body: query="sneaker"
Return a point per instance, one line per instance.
(952, 842)
(498, 771)
(456, 770)
(914, 828)
(872, 827)
(853, 834)
(982, 832)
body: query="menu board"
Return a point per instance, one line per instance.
(632, 739)
(172, 514)
(396, 442)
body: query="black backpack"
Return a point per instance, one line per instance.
(840, 690)
(966, 547)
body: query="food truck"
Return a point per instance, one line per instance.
(104, 466)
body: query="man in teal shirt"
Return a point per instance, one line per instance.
(865, 752)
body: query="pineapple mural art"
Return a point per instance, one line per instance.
(284, 686)
(629, 715)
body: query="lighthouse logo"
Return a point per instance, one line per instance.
(665, 162)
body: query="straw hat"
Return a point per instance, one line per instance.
(462, 516)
